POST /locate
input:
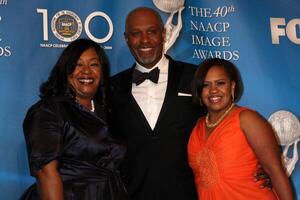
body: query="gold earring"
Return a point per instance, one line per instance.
(232, 96)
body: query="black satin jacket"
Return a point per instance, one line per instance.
(89, 159)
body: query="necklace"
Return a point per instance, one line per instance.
(211, 125)
(93, 106)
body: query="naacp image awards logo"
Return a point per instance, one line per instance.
(66, 26)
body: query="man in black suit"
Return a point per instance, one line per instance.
(155, 115)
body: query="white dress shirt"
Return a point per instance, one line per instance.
(150, 96)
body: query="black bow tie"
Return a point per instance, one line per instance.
(139, 77)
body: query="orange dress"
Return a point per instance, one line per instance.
(224, 164)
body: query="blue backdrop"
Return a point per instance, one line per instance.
(261, 37)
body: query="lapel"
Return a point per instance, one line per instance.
(174, 74)
(133, 105)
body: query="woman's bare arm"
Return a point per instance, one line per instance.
(261, 138)
(49, 183)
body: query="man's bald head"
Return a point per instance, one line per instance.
(143, 12)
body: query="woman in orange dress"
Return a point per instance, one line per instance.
(226, 146)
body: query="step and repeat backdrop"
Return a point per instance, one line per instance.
(261, 37)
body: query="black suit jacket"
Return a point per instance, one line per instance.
(156, 165)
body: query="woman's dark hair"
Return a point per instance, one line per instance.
(230, 69)
(57, 83)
